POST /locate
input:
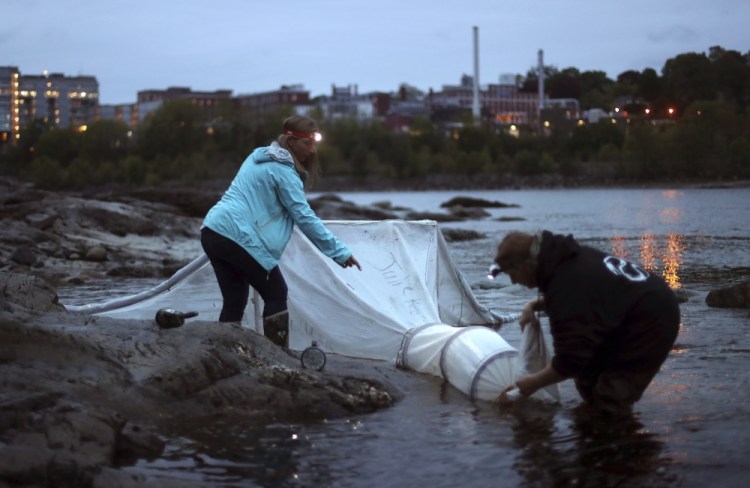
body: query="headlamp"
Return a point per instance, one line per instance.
(314, 136)
(496, 269)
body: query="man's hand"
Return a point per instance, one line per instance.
(527, 385)
(528, 315)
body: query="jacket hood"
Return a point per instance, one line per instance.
(273, 153)
(555, 248)
(276, 154)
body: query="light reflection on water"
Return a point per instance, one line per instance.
(688, 430)
(661, 256)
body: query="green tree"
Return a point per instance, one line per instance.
(176, 128)
(739, 157)
(45, 172)
(597, 90)
(564, 84)
(732, 74)
(689, 78)
(21, 154)
(643, 158)
(62, 145)
(105, 140)
(650, 86)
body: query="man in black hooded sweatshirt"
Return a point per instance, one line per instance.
(612, 322)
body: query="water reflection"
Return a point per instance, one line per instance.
(664, 257)
(230, 450)
(579, 448)
(672, 259)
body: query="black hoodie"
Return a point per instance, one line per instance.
(602, 309)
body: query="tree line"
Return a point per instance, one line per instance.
(690, 122)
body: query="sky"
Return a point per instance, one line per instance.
(252, 46)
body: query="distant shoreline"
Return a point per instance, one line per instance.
(328, 184)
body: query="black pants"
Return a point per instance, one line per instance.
(236, 271)
(621, 371)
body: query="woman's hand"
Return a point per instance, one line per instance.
(352, 261)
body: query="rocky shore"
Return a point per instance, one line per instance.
(84, 397)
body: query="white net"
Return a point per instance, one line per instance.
(408, 280)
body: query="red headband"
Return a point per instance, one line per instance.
(315, 136)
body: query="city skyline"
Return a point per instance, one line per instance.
(252, 47)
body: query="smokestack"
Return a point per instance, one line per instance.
(475, 99)
(540, 75)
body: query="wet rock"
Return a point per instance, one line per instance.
(736, 296)
(190, 201)
(42, 221)
(468, 212)
(683, 295)
(333, 207)
(96, 254)
(60, 446)
(136, 442)
(387, 205)
(82, 395)
(475, 202)
(27, 292)
(85, 235)
(23, 255)
(437, 217)
(77, 280)
(24, 465)
(456, 235)
(114, 478)
(97, 393)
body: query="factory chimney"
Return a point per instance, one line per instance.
(475, 98)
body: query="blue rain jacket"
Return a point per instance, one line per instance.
(264, 201)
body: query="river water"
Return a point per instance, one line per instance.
(690, 429)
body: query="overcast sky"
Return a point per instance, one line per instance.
(250, 46)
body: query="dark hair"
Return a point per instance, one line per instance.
(302, 124)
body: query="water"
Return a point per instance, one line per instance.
(688, 430)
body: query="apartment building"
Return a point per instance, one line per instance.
(345, 102)
(58, 100)
(263, 102)
(124, 112)
(9, 118)
(150, 100)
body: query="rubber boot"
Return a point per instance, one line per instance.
(276, 328)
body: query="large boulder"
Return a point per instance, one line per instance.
(82, 395)
(736, 296)
(27, 293)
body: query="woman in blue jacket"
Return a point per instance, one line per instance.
(246, 232)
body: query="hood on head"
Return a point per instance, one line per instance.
(555, 248)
